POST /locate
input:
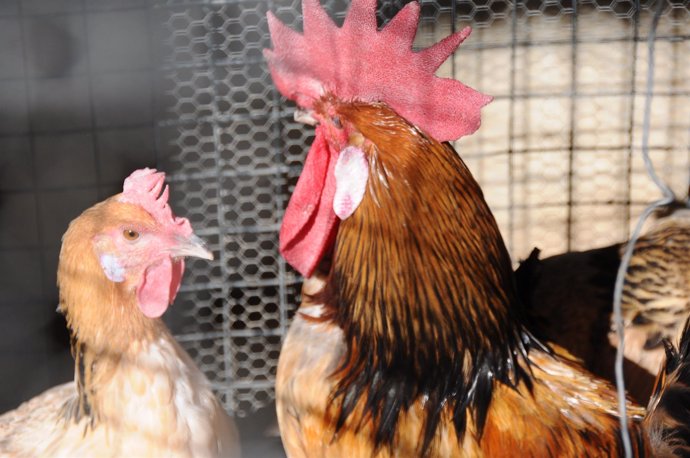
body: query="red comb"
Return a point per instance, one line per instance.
(143, 187)
(357, 61)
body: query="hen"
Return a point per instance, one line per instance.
(411, 339)
(136, 392)
(569, 300)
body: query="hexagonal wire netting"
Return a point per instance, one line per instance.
(557, 154)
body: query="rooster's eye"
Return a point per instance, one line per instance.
(130, 234)
(337, 123)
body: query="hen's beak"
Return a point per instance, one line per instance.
(190, 246)
(306, 117)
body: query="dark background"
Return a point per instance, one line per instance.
(76, 117)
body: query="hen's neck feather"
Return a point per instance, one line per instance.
(421, 283)
(103, 317)
(100, 313)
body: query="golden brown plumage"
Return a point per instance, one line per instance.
(570, 298)
(136, 391)
(410, 341)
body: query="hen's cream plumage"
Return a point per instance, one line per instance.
(155, 402)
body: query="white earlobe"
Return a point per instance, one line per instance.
(351, 176)
(112, 268)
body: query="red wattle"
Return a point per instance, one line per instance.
(159, 287)
(310, 224)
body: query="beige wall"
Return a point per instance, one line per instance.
(580, 152)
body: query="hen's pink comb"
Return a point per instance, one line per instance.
(357, 61)
(143, 187)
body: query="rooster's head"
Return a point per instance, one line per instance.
(328, 67)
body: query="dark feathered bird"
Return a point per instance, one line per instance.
(569, 300)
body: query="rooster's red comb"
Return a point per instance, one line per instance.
(143, 187)
(357, 61)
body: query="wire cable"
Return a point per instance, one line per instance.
(668, 198)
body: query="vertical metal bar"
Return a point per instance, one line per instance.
(281, 179)
(511, 129)
(677, 72)
(213, 69)
(281, 171)
(631, 120)
(154, 77)
(686, 189)
(453, 20)
(92, 109)
(571, 133)
(32, 150)
(675, 76)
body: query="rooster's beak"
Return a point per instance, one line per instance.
(191, 246)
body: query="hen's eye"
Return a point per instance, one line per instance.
(337, 123)
(130, 234)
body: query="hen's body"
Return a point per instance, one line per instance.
(570, 299)
(151, 401)
(412, 342)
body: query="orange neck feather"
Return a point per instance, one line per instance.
(103, 317)
(100, 313)
(421, 283)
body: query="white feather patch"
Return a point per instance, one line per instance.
(351, 175)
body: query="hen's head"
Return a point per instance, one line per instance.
(127, 249)
(328, 67)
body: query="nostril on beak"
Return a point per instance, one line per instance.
(305, 117)
(191, 246)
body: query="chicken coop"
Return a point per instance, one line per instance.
(93, 89)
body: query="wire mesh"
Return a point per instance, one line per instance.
(555, 155)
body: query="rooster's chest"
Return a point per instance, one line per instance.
(311, 353)
(309, 356)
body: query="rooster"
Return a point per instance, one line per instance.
(411, 339)
(136, 392)
(569, 300)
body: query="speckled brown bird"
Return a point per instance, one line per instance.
(136, 392)
(411, 339)
(570, 298)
